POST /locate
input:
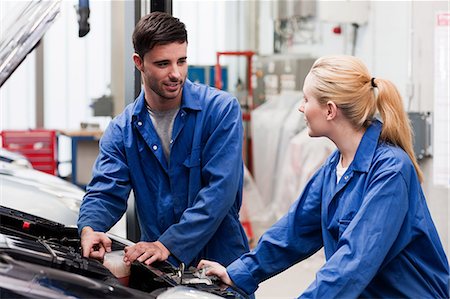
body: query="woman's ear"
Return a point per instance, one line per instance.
(331, 110)
(138, 62)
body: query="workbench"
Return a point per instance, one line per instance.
(84, 145)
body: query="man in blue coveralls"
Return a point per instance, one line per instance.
(179, 147)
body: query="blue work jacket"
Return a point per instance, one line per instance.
(190, 203)
(377, 232)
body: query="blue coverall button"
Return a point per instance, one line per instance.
(155, 147)
(139, 123)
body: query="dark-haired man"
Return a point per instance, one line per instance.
(179, 147)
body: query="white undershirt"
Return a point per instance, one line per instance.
(340, 170)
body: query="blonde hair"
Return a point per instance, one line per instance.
(346, 81)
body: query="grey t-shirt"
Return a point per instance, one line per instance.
(163, 122)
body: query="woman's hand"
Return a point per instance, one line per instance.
(213, 268)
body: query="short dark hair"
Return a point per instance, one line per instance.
(157, 28)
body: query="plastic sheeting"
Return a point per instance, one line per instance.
(303, 157)
(272, 125)
(284, 158)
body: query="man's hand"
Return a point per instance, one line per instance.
(213, 268)
(146, 252)
(94, 244)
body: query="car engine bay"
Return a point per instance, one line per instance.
(42, 259)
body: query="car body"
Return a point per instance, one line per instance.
(14, 158)
(40, 253)
(39, 193)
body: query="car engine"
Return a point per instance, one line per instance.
(42, 259)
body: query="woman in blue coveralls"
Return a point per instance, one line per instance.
(365, 205)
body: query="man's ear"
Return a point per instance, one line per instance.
(331, 110)
(138, 62)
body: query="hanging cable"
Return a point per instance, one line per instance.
(355, 37)
(83, 12)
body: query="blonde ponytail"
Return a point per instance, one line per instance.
(396, 125)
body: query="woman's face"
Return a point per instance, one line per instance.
(315, 113)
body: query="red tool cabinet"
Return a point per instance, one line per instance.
(39, 146)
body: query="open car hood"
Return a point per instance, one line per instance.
(25, 28)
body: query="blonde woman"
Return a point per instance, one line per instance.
(365, 205)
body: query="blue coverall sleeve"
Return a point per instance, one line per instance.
(221, 175)
(366, 240)
(293, 238)
(106, 198)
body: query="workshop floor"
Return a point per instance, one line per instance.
(292, 282)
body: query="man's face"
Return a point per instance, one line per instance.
(164, 71)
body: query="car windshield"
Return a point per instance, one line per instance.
(23, 23)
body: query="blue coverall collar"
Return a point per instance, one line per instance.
(366, 149)
(368, 145)
(189, 100)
